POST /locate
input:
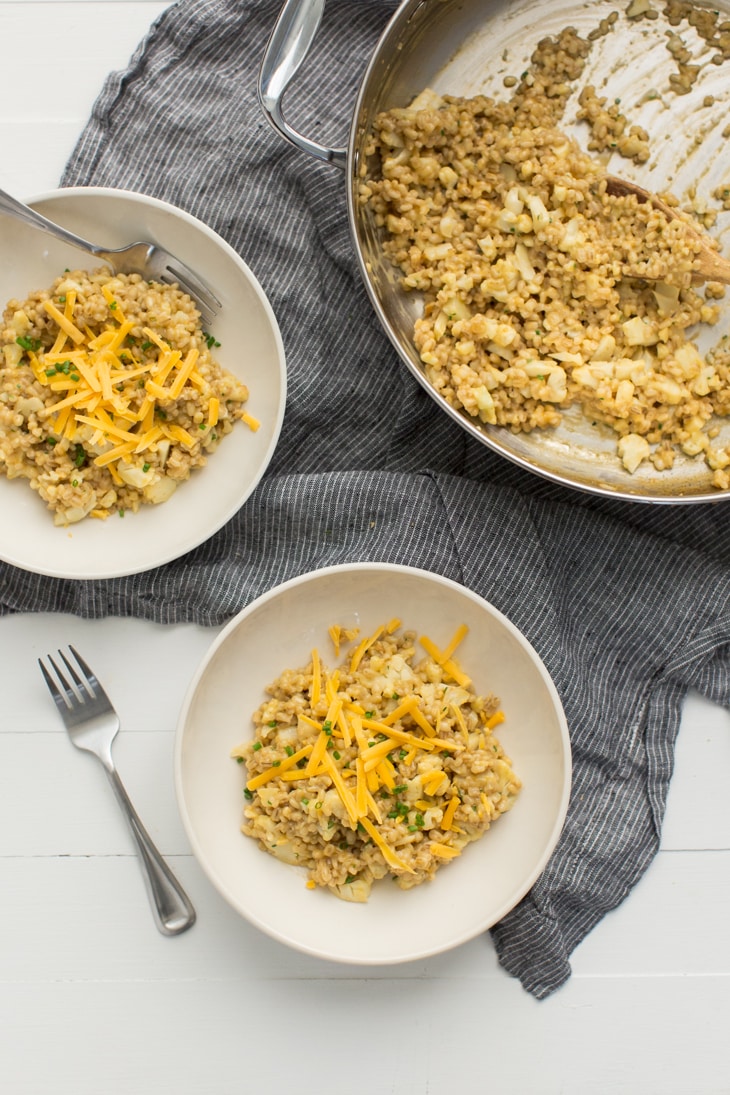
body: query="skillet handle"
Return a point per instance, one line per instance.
(287, 47)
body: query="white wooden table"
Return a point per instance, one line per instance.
(93, 1001)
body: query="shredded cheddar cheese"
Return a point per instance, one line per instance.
(380, 770)
(125, 399)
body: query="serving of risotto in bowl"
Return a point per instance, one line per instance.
(129, 433)
(372, 764)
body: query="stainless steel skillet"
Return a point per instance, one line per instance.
(466, 47)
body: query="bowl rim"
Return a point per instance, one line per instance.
(551, 838)
(174, 551)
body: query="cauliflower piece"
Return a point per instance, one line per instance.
(638, 332)
(632, 449)
(358, 890)
(485, 403)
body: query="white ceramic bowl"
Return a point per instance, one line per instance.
(251, 348)
(278, 631)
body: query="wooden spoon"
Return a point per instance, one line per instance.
(712, 266)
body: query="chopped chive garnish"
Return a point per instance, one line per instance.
(28, 343)
(247, 793)
(256, 746)
(289, 751)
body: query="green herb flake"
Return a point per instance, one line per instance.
(28, 343)
(256, 746)
(247, 794)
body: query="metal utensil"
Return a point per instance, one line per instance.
(152, 262)
(711, 265)
(92, 724)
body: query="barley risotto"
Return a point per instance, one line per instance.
(541, 289)
(109, 394)
(386, 765)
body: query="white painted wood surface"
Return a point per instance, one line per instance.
(94, 1002)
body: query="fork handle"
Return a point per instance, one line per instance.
(13, 208)
(172, 908)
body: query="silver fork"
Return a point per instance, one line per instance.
(92, 724)
(147, 259)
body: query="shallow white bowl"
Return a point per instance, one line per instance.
(251, 348)
(278, 631)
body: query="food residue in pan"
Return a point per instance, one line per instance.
(541, 290)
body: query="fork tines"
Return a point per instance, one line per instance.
(86, 687)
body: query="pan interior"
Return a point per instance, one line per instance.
(467, 48)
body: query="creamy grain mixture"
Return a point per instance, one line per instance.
(542, 290)
(386, 765)
(109, 395)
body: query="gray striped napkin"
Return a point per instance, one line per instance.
(627, 604)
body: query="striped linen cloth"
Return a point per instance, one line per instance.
(627, 604)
